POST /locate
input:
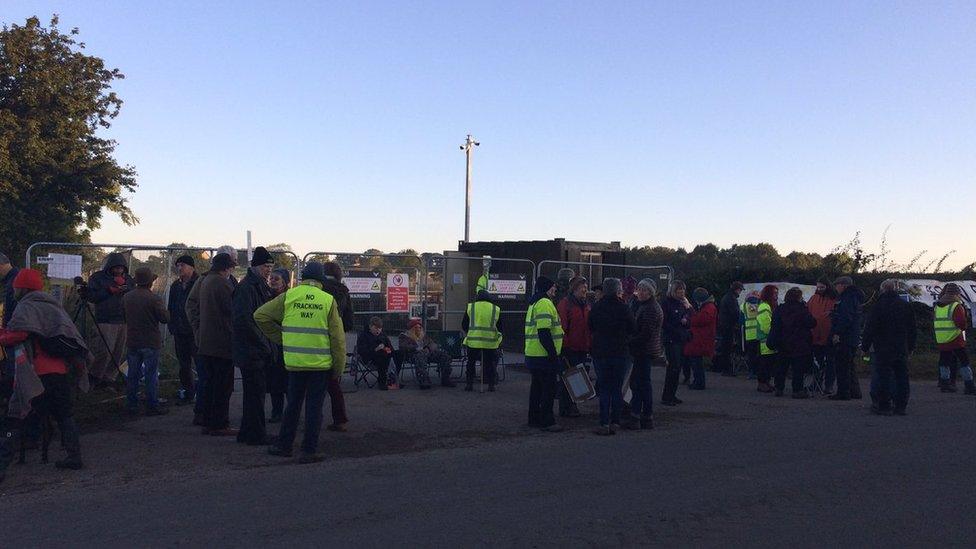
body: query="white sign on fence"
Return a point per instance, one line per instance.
(62, 266)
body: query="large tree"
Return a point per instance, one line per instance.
(56, 173)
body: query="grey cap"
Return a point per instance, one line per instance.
(844, 281)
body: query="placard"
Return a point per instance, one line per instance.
(397, 293)
(62, 266)
(507, 286)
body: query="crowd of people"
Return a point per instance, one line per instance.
(288, 341)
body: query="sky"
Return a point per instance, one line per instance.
(335, 126)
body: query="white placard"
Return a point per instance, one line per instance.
(63, 266)
(363, 285)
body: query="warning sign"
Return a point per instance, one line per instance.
(397, 293)
(363, 284)
(507, 286)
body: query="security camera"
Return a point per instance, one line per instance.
(477, 143)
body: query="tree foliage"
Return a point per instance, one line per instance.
(56, 174)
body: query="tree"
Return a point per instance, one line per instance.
(56, 174)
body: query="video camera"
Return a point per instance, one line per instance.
(80, 286)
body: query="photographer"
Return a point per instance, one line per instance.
(105, 290)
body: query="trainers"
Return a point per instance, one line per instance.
(280, 452)
(307, 457)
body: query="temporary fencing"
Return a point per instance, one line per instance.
(595, 273)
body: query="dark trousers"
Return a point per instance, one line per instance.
(848, 385)
(722, 362)
(337, 401)
(186, 350)
(697, 366)
(254, 385)
(752, 357)
(541, 394)
(566, 404)
(953, 362)
(675, 358)
(824, 355)
(489, 362)
(55, 402)
(767, 367)
(306, 388)
(610, 372)
(890, 383)
(219, 387)
(380, 361)
(799, 366)
(642, 401)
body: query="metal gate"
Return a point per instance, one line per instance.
(629, 275)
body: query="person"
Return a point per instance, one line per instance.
(144, 312)
(845, 336)
(791, 337)
(612, 325)
(38, 320)
(7, 305)
(596, 294)
(419, 349)
(179, 328)
(890, 334)
(482, 338)
(703, 333)
(563, 278)
(252, 351)
(676, 332)
(375, 349)
(305, 321)
(574, 314)
(645, 350)
(333, 286)
(277, 375)
(543, 345)
(210, 310)
(729, 321)
(768, 299)
(105, 290)
(750, 332)
(950, 337)
(820, 306)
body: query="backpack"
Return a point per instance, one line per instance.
(60, 347)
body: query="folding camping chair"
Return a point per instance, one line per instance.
(813, 381)
(360, 371)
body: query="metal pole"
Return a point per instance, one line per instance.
(468, 147)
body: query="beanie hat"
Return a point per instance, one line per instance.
(414, 322)
(951, 289)
(700, 295)
(542, 284)
(223, 262)
(844, 280)
(260, 256)
(144, 276)
(314, 270)
(185, 260)
(28, 279)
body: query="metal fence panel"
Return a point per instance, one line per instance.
(594, 273)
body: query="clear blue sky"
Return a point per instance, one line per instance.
(336, 125)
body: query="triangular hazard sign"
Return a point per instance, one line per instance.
(376, 285)
(492, 289)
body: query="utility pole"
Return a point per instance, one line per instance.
(468, 147)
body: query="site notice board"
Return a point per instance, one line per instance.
(397, 293)
(507, 286)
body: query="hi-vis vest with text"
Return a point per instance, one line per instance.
(764, 321)
(542, 315)
(751, 312)
(305, 329)
(482, 334)
(946, 330)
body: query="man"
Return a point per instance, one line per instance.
(7, 275)
(845, 335)
(105, 290)
(890, 333)
(144, 312)
(306, 322)
(179, 327)
(729, 320)
(574, 316)
(209, 308)
(563, 277)
(543, 343)
(951, 321)
(333, 286)
(252, 350)
(750, 334)
(482, 338)
(821, 305)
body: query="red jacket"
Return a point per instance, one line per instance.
(704, 325)
(959, 319)
(575, 317)
(43, 363)
(820, 307)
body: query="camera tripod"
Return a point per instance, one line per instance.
(83, 328)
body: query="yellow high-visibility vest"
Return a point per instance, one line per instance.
(542, 315)
(305, 328)
(482, 318)
(946, 330)
(750, 312)
(764, 321)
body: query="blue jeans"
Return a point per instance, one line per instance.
(642, 401)
(308, 388)
(610, 374)
(143, 363)
(697, 366)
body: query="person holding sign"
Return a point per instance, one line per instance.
(482, 338)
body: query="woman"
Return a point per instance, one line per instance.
(821, 305)
(768, 299)
(791, 337)
(279, 281)
(676, 332)
(611, 325)
(574, 314)
(704, 326)
(646, 350)
(421, 351)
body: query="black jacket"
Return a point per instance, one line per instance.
(890, 328)
(340, 294)
(676, 331)
(178, 292)
(845, 320)
(251, 348)
(790, 333)
(647, 339)
(728, 315)
(612, 325)
(366, 343)
(108, 304)
(9, 303)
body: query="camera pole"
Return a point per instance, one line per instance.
(468, 148)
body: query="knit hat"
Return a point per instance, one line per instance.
(414, 322)
(285, 274)
(700, 295)
(542, 284)
(261, 256)
(28, 279)
(314, 270)
(223, 262)
(185, 260)
(844, 281)
(144, 276)
(951, 289)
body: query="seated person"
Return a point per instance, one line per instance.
(421, 350)
(374, 349)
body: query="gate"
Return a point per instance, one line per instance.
(629, 275)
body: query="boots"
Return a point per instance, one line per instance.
(446, 378)
(72, 445)
(970, 388)
(9, 439)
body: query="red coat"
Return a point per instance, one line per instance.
(575, 320)
(43, 362)
(704, 324)
(821, 307)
